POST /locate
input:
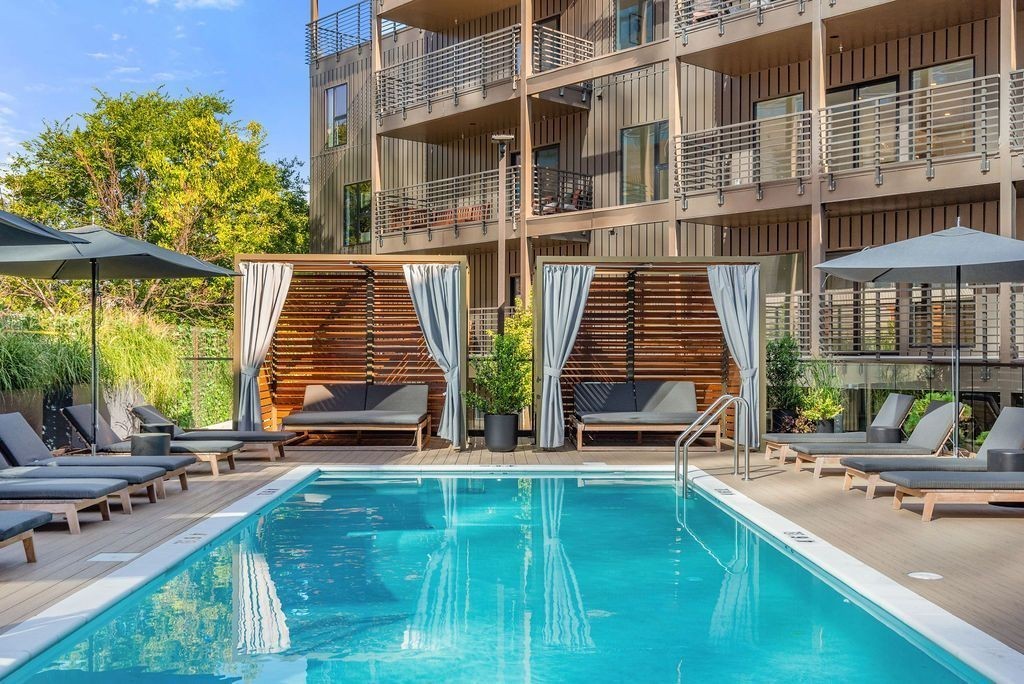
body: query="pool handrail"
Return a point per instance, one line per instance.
(720, 406)
(702, 421)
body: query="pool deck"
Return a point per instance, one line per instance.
(977, 549)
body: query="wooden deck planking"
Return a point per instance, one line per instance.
(975, 548)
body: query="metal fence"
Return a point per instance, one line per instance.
(695, 15)
(347, 28)
(472, 65)
(556, 191)
(1017, 110)
(553, 49)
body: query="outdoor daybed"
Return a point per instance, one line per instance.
(358, 406)
(1006, 433)
(19, 526)
(271, 443)
(637, 406)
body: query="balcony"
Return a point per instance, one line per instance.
(443, 213)
(347, 28)
(943, 135)
(556, 191)
(439, 15)
(444, 92)
(553, 49)
(1017, 119)
(750, 166)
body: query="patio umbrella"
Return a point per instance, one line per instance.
(17, 230)
(955, 255)
(102, 255)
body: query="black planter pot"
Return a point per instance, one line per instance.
(501, 431)
(783, 419)
(824, 426)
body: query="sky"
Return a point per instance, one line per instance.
(55, 54)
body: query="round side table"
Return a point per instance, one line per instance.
(884, 435)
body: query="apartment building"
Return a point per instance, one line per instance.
(799, 129)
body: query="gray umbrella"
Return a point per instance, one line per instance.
(16, 230)
(955, 255)
(102, 255)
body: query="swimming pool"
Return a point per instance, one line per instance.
(491, 578)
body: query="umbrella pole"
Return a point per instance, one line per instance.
(956, 372)
(95, 357)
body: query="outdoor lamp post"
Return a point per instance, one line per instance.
(502, 139)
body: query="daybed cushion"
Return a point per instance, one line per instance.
(604, 397)
(815, 437)
(59, 488)
(665, 396)
(13, 523)
(955, 480)
(638, 418)
(165, 462)
(880, 464)
(346, 396)
(406, 399)
(861, 449)
(189, 447)
(251, 436)
(304, 419)
(130, 474)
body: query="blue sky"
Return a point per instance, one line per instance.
(55, 53)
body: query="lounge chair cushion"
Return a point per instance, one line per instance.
(934, 428)
(665, 396)
(604, 397)
(893, 411)
(814, 437)
(150, 415)
(880, 464)
(189, 447)
(19, 443)
(165, 462)
(638, 418)
(80, 417)
(306, 419)
(860, 449)
(59, 488)
(954, 480)
(1006, 433)
(130, 474)
(250, 436)
(349, 396)
(13, 523)
(407, 399)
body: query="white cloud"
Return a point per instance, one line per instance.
(6, 97)
(126, 70)
(99, 55)
(117, 36)
(179, 32)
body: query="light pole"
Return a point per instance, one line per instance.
(502, 139)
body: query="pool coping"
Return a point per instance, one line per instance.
(974, 647)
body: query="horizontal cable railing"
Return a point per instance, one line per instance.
(482, 320)
(556, 191)
(1017, 110)
(469, 66)
(925, 125)
(751, 152)
(347, 28)
(553, 49)
(789, 314)
(445, 203)
(694, 15)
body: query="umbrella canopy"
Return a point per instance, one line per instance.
(16, 230)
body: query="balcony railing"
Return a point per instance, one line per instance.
(482, 320)
(470, 66)
(789, 314)
(921, 126)
(695, 15)
(449, 203)
(556, 191)
(748, 153)
(1017, 110)
(347, 28)
(553, 49)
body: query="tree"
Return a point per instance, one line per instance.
(177, 172)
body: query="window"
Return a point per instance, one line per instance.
(945, 118)
(869, 115)
(550, 53)
(645, 157)
(776, 149)
(634, 23)
(336, 100)
(357, 214)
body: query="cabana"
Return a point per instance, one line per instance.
(633, 334)
(349, 341)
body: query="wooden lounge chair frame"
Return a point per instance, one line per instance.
(422, 430)
(69, 508)
(937, 496)
(27, 539)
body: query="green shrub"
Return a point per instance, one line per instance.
(782, 371)
(504, 378)
(921, 405)
(21, 359)
(824, 397)
(138, 351)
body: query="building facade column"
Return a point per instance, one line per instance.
(376, 63)
(1007, 191)
(818, 237)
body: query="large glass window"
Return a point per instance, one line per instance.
(944, 118)
(869, 124)
(645, 158)
(634, 23)
(776, 145)
(357, 214)
(336, 101)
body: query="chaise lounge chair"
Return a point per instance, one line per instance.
(1006, 433)
(60, 496)
(936, 487)
(208, 451)
(891, 415)
(927, 439)
(20, 526)
(271, 443)
(25, 456)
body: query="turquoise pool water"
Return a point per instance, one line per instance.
(488, 580)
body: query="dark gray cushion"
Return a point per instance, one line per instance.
(150, 415)
(191, 447)
(80, 417)
(130, 474)
(604, 397)
(954, 480)
(402, 398)
(665, 396)
(312, 419)
(253, 436)
(59, 488)
(346, 396)
(879, 464)
(637, 418)
(1006, 433)
(13, 523)
(165, 462)
(19, 443)
(934, 428)
(814, 437)
(859, 449)
(893, 411)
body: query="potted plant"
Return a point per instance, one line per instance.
(785, 395)
(503, 382)
(823, 401)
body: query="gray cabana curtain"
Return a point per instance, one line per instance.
(565, 296)
(736, 291)
(264, 288)
(436, 291)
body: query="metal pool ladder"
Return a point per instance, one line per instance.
(710, 415)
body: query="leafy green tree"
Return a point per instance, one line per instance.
(177, 172)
